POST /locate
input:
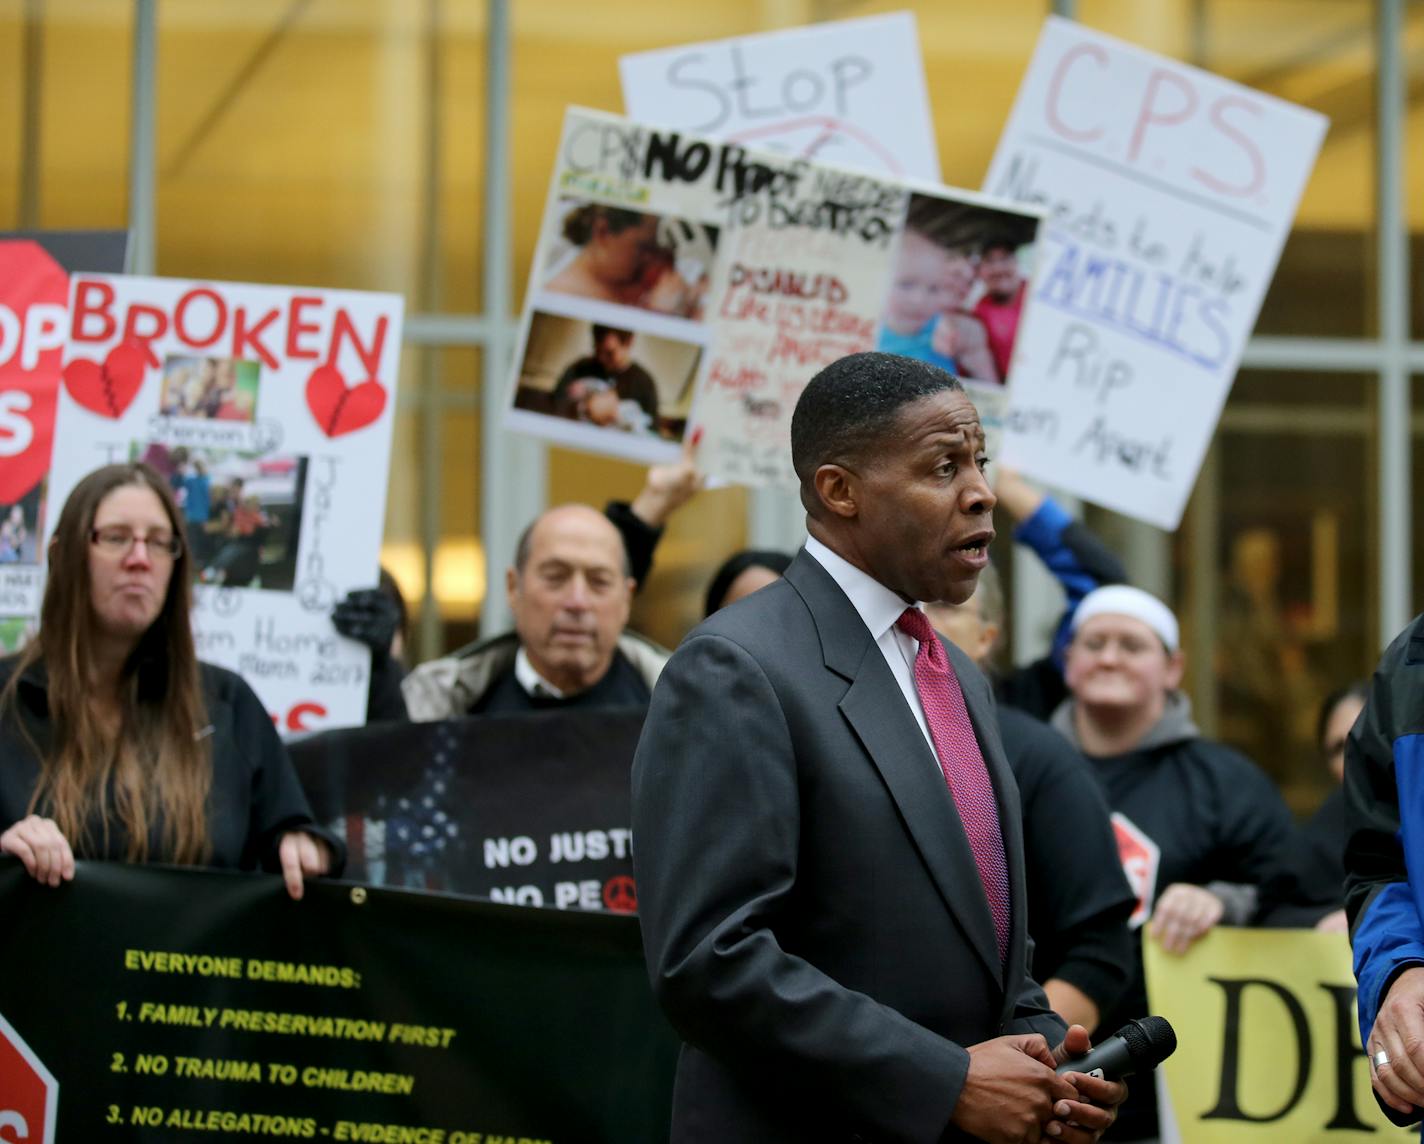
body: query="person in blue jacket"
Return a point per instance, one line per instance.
(1078, 560)
(1384, 872)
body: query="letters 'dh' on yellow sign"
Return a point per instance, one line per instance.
(1268, 1042)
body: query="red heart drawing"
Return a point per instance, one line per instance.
(109, 389)
(340, 409)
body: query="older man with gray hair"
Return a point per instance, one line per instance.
(570, 591)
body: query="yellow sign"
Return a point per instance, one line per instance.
(1268, 1041)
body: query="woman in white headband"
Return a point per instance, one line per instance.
(1201, 828)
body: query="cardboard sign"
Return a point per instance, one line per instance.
(269, 411)
(1170, 193)
(1268, 1045)
(851, 93)
(668, 259)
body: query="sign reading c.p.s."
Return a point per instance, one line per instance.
(1170, 192)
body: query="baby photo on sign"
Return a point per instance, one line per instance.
(607, 378)
(957, 287)
(242, 511)
(631, 258)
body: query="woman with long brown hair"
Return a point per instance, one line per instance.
(115, 741)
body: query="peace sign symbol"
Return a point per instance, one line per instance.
(620, 895)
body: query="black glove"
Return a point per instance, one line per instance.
(370, 616)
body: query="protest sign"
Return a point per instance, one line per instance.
(34, 307)
(748, 272)
(532, 809)
(1170, 193)
(214, 1006)
(831, 263)
(1268, 1043)
(34, 294)
(848, 92)
(614, 320)
(269, 411)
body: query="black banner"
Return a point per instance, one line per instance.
(525, 809)
(183, 1005)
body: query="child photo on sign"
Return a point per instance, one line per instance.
(209, 388)
(607, 377)
(631, 258)
(243, 512)
(20, 526)
(935, 309)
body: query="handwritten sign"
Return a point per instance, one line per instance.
(834, 263)
(1170, 192)
(672, 265)
(851, 93)
(617, 316)
(269, 411)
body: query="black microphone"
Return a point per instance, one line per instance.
(1137, 1047)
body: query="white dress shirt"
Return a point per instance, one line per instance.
(533, 683)
(879, 608)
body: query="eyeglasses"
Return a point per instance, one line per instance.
(119, 541)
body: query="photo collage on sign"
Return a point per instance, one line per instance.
(242, 505)
(267, 411)
(20, 526)
(616, 327)
(242, 511)
(21, 523)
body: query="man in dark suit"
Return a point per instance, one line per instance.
(830, 873)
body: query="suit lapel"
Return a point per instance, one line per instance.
(876, 710)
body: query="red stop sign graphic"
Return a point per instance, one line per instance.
(1140, 857)
(29, 1094)
(34, 322)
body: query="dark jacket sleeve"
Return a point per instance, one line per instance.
(1078, 559)
(1079, 899)
(278, 802)
(1319, 868)
(1254, 833)
(639, 538)
(384, 700)
(1384, 815)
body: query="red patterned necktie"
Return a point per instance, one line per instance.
(963, 765)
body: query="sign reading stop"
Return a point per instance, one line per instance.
(29, 1094)
(34, 321)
